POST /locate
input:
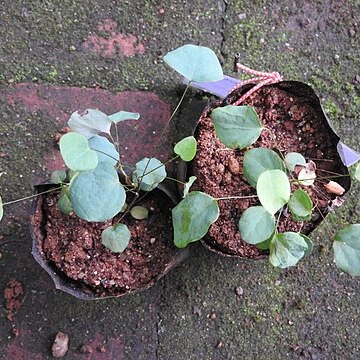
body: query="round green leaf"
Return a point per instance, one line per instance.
(309, 244)
(347, 249)
(258, 160)
(292, 159)
(195, 63)
(186, 148)
(273, 190)
(139, 212)
(1, 208)
(116, 238)
(149, 173)
(97, 195)
(256, 225)
(76, 152)
(300, 205)
(357, 172)
(58, 176)
(287, 249)
(187, 185)
(89, 122)
(236, 126)
(64, 202)
(192, 217)
(124, 115)
(105, 149)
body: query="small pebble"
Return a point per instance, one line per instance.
(234, 166)
(239, 291)
(61, 345)
(152, 240)
(219, 344)
(212, 316)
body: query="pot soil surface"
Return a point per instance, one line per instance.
(299, 125)
(73, 246)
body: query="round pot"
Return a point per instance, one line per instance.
(70, 249)
(293, 112)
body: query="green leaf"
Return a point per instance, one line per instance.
(139, 212)
(187, 185)
(116, 238)
(256, 225)
(124, 115)
(292, 159)
(149, 173)
(258, 160)
(58, 176)
(357, 172)
(192, 217)
(273, 190)
(105, 149)
(64, 202)
(300, 205)
(1, 208)
(309, 244)
(89, 122)
(236, 126)
(287, 249)
(265, 245)
(347, 249)
(186, 148)
(195, 63)
(97, 195)
(76, 152)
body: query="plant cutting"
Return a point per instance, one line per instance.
(266, 173)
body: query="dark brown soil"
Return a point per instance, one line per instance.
(299, 126)
(74, 246)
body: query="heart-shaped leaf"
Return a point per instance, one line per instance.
(347, 249)
(186, 148)
(105, 149)
(76, 152)
(89, 122)
(97, 195)
(256, 225)
(287, 249)
(300, 205)
(139, 212)
(64, 202)
(292, 159)
(258, 160)
(116, 238)
(192, 217)
(124, 115)
(187, 185)
(236, 126)
(149, 172)
(58, 176)
(1, 208)
(195, 63)
(273, 190)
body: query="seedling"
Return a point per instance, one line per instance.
(279, 188)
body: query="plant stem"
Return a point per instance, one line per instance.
(177, 107)
(236, 197)
(176, 180)
(31, 196)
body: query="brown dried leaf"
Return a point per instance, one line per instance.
(307, 174)
(334, 188)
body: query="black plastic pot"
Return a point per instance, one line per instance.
(304, 94)
(78, 288)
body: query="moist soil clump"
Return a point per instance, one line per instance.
(74, 246)
(296, 126)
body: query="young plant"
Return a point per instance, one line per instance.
(272, 174)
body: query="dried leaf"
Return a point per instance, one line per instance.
(334, 188)
(307, 175)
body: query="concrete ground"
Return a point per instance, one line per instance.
(209, 307)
